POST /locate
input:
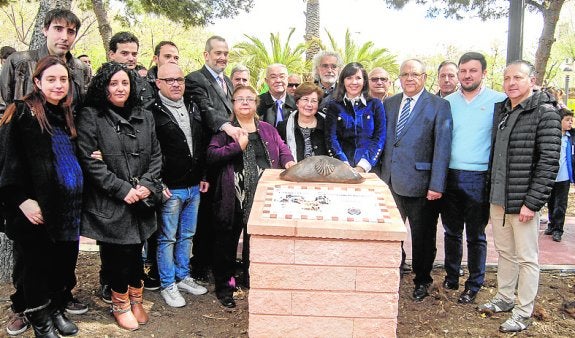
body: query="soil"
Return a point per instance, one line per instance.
(437, 316)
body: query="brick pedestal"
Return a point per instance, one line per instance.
(323, 276)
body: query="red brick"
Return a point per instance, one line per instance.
(297, 326)
(341, 304)
(302, 277)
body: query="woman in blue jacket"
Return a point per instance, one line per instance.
(355, 122)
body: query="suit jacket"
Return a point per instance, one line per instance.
(418, 160)
(267, 110)
(215, 106)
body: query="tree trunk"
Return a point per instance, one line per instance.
(103, 24)
(547, 38)
(312, 28)
(6, 260)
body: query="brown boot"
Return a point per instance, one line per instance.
(136, 301)
(122, 311)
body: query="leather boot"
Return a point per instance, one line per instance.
(40, 319)
(64, 325)
(122, 311)
(136, 300)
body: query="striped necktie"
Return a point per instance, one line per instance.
(403, 117)
(280, 110)
(222, 83)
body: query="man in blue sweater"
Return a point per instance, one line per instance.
(465, 203)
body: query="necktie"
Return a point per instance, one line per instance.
(280, 109)
(222, 83)
(403, 116)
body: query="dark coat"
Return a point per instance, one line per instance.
(180, 169)
(215, 106)
(418, 160)
(267, 109)
(16, 77)
(532, 153)
(27, 172)
(145, 92)
(317, 137)
(355, 133)
(223, 153)
(106, 217)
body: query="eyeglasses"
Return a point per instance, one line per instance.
(277, 77)
(306, 101)
(329, 66)
(410, 75)
(377, 79)
(295, 85)
(244, 99)
(171, 81)
(503, 122)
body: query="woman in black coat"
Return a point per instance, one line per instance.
(118, 184)
(41, 184)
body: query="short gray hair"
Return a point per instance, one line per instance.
(281, 65)
(423, 69)
(239, 68)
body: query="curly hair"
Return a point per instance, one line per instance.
(97, 95)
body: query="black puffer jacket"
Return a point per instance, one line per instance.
(533, 152)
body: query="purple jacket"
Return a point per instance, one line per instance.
(223, 152)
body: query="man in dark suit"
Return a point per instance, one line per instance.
(415, 163)
(276, 104)
(211, 91)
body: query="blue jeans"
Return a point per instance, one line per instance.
(465, 205)
(175, 234)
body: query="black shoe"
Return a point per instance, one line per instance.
(228, 301)
(468, 296)
(450, 286)
(556, 237)
(405, 268)
(420, 292)
(548, 231)
(41, 321)
(64, 325)
(106, 293)
(151, 284)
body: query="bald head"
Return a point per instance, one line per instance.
(171, 81)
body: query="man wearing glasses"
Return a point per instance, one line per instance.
(276, 104)
(415, 162)
(294, 80)
(379, 83)
(179, 131)
(326, 68)
(524, 162)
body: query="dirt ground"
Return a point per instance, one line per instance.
(437, 316)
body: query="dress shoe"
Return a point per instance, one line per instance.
(450, 286)
(405, 268)
(548, 231)
(64, 325)
(467, 296)
(228, 301)
(556, 237)
(420, 292)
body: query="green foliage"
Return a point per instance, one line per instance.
(366, 54)
(189, 12)
(255, 55)
(459, 9)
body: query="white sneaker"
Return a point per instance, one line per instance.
(188, 284)
(172, 296)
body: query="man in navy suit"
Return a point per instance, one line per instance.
(211, 91)
(415, 163)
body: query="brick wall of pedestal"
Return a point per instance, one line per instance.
(323, 287)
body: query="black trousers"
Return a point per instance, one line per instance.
(203, 242)
(557, 206)
(225, 254)
(422, 215)
(46, 273)
(123, 263)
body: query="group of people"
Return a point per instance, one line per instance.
(171, 162)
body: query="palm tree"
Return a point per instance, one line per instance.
(366, 54)
(312, 23)
(255, 55)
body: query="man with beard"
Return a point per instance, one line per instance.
(326, 68)
(465, 203)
